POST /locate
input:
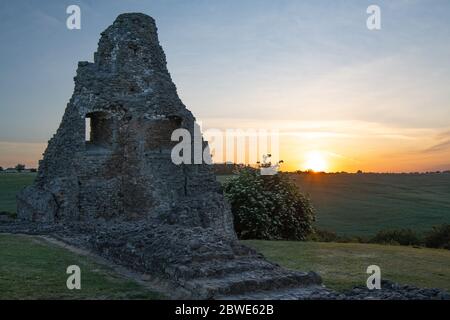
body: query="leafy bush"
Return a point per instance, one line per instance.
(439, 237)
(268, 207)
(405, 237)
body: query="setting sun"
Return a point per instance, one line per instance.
(316, 161)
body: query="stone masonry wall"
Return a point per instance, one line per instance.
(125, 171)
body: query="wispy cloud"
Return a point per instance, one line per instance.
(442, 145)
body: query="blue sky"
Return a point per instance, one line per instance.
(296, 64)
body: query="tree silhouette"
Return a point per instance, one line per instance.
(19, 167)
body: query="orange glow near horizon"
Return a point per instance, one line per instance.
(316, 145)
(315, 161)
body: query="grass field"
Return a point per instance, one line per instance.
(10, 184)
(362, 204)
(31, 268)
(343, 265)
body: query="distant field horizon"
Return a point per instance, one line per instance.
(442, 171)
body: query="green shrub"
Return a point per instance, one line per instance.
(321, 235)
(352, 239)
(438, 237)
(405, 237)
(268, 207)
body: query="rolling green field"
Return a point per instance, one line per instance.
(362, 204)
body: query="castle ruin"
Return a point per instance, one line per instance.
(107, 181)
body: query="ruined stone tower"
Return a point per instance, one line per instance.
(107, 181)
(122, 168)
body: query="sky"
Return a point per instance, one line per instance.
(341, 95)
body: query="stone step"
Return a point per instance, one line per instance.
(295, 293)
(218, 268)
(224, 253)
(248, 281)
(209, 256)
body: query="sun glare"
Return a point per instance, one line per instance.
(316, 161)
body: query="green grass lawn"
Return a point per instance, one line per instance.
(343, 265)
(10, 184)
(31, 268)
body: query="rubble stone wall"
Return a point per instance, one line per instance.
(123, 169)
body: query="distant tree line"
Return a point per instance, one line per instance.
(19, 168)
(372, 173)
(231, 168)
